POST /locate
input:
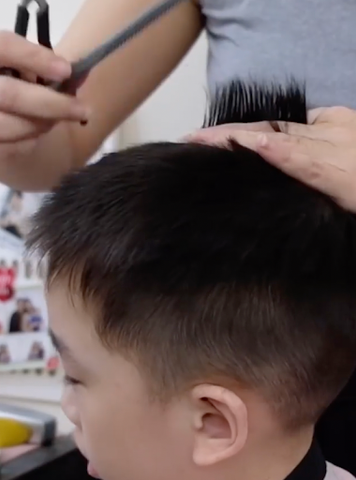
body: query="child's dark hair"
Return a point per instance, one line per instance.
(208, 264)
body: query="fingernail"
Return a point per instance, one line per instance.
(82, 113)
(60, 69)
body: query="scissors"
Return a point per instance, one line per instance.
(21, 27)
(82, 67)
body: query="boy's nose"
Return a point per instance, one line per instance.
(70, 410)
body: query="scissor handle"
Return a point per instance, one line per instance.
(22, 19)
(21, 28)
(43, 34)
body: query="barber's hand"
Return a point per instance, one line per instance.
(27, 110)
(321, 154)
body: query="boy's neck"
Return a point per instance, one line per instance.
(274, 459)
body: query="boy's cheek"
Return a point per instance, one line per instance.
(69, 407)
(79, 443)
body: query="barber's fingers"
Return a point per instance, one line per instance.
(36, 101)
(18, 53)
(314, 131)
(333, 115)
(318, 120)
(321, 126)
(315, 114)
(295, 155)
(14, 128)
(222, 134)
(314, 163)
(299, 157)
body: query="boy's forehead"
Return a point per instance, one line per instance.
(73, 334)
(60, 294)
(66, 313)
(72, 325)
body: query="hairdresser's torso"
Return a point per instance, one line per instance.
(265, 40)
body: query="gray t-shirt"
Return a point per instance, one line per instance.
(313, 41)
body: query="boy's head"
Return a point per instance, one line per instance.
(203, 302)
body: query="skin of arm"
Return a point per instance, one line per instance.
(113, 90)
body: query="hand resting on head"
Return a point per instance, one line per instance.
(321, 154)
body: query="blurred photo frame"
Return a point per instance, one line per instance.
(24, 341)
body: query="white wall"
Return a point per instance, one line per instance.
(176, 108)
(178, 105)
(61, 15)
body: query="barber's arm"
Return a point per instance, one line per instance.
(321, 154)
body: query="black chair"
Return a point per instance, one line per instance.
(60, 461)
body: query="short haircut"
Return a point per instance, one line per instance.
(208, 264)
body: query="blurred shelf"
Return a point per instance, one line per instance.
(32, 386)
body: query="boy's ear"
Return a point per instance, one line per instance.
(220, 424)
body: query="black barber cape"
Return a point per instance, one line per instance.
(336, 429)
(312, 467)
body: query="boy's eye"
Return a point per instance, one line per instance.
(70, 380)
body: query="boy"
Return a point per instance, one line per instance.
(203, 304)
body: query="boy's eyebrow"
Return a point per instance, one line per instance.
(63, 349)
(59, 344)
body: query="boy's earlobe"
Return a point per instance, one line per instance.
(220, 424)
